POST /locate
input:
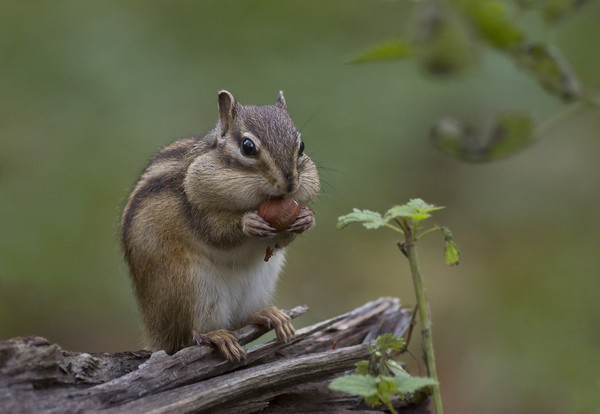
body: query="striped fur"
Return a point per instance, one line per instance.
(192, 265)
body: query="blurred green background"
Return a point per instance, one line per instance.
(90, 90)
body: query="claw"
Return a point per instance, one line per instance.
(225, 342)
(255, 225)
(304, 221)
(274, 318)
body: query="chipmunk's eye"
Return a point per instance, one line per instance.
(248, 147)
(301, 150)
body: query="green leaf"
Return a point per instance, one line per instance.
(362, 367)
(555, 10)
(403, 211)
(363, 385)
(416, 209)
(388, 50)
(491, 17)
(385, 384)
(386, 388)
(550, 69)
(411, 384)
(508, 133)
(442, 39)
(372, 401)
(453, 137)
(451, 253)
(513, 131)
(370, 219)
(389, 342)
(396, 368)
(421, 206)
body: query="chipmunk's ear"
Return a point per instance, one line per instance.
(227, 110)
(281, 101)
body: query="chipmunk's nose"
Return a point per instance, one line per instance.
(291, 182)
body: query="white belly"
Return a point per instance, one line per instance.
(230, 291)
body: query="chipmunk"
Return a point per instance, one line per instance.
(192, 236)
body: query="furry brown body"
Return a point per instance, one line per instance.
(192, 237)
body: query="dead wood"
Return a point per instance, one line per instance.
(37, 376)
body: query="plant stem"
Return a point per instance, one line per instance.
(426, 232)
(391, 407)
(550, 123)
(423, 309)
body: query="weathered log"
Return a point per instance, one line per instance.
(36, 376)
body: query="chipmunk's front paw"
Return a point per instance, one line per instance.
(305, 220)
(225, 341)
(274, 318)
(255, 225)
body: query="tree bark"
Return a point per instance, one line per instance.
(276, 377)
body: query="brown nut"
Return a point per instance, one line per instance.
(280, 213)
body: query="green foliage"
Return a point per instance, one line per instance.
(362, 367)
(446, 39)
(492, 20)
(508, 133)
(550, 69)
(451, 254)
(381, 378)
(405, 384)
(511, 132)
(389, 342)
(389, 50)
(554, 10)
(370, 219)
(363, 385)
(398, 218)
(415, 210)
(442, 40)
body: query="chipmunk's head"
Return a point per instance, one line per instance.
(260, 154)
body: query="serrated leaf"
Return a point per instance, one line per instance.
(492, 19)
(399, 212)
(389, 342)
(369, 219)
(388, 50)
(363, 385)
(411, 384)
(422, 206)
(385, 385)
(550, 69)
(415, 209)
(422, 210)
